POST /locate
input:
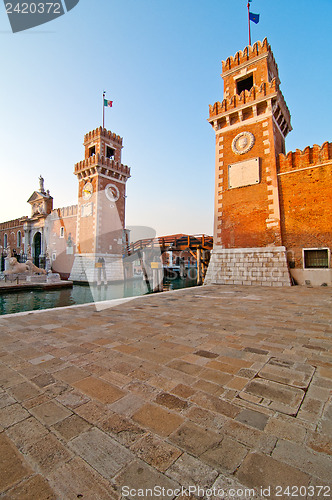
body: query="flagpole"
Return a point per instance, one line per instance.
(249, 25)
(103, 110)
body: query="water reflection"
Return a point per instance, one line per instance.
(38, 299)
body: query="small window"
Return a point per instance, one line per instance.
(62, 232)
(5, 241)
(19, 239)
(92, 150)
(244, 84)
(318, 258)
(110, 152)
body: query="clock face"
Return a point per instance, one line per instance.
(112, 192)
(87, 191)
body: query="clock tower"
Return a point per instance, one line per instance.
(100, 233)
(250, 125)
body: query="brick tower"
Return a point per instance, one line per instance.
(100, 234)
(250, 124)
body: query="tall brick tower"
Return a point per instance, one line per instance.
(100, 235)
(251, 124)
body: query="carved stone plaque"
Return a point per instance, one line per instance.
(244, 173)
(86, 210)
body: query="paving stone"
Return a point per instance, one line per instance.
(104, 345)
(206, 354)
(308, 461)
(127, 405)
(93, 411)
(71, 427)
(194, 439)
(206, 418)
(227, 455)
(6, 400)
(41, 359)
(278, 396)
(71, 374)
(189, 471)
(31, 403)
(157, 419)
(138, 477)
(115, 378)
(72, 399)
(229, 488)
(171, 402)
(24, 391)
(262, 471)
(98, 389)
(183, 391)
(101, 452)
(47, 453)
(122, 429)
(76, 479)
(286, 429)
(249, 436)
(252, 418)
(287, 372)
(156, 452)
(50, 413)
(43, 380)
(36, 487)
(216, 376)
(9, 377)
(319, 442)
(26, 433)
(12, 414)
(213, 403)
(13, 468)
(188, 368)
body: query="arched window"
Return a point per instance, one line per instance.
(5, 240)
(19, 239)
(62, 232)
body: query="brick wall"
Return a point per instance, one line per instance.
(11, 228)
(304, 179)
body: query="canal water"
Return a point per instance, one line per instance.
(15, 302)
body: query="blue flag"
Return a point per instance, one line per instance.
(254, 17)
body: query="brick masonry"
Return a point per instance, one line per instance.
(288, 203)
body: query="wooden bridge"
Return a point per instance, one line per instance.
(149, 250)
(174, 243)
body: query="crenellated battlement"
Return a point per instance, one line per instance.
(102, 132)
(247, 96)
(69, 211)
(250, 52)
(309, 157)
(98, 160)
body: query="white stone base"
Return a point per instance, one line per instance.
(248, 266)
(84, 268)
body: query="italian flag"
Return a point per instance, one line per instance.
(108, 104)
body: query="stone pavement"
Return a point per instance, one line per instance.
(220, 387)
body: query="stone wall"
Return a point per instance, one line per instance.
(248, 266)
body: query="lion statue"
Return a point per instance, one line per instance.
(23, 268)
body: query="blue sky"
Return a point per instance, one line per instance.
(160, 62)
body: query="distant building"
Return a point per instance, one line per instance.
(272, 211)
(72, 240)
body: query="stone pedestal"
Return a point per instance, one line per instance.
(248, 266)
(86, 268)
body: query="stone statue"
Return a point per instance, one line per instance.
(25, 268)
(41, 184)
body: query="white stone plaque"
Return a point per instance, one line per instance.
(244, 173)
(86, 210)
